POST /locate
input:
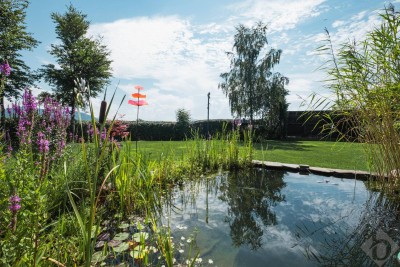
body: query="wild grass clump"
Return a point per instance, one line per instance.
(222, 151)
(365, 80)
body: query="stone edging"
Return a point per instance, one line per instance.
(305, 169)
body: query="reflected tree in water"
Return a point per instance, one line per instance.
(250, 195)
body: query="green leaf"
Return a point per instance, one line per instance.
(123, 226)
(138, 252)
(98, 256)
(121, 236)
(138, 237)
(121, 247)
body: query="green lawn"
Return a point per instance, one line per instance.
(314, 153)
(338, 155)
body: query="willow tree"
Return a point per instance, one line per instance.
(252, 87)
(14, 38)
(78, 57)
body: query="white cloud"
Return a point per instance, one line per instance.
(170, 52)
(355, 28)
(279, 15)
(338, 23)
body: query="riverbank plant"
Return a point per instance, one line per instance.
(364, 80)
(68, 204)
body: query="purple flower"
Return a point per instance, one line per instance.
(42, 142)
(5, 69)
(15, 199)
(29, 101)
(15, 206)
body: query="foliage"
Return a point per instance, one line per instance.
(78, 56)
(26, 181)
(251, 86)
(14, 38)
(364, 78)
(182, 123)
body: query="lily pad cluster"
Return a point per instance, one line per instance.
(127, 243)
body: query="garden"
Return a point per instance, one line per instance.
(90, 193)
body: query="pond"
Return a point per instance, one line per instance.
(275, 218)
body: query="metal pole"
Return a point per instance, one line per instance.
(208, 114)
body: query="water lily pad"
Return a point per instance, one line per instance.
(104, 236)
(121, 236)
(121, 247)
(114, 243)
(138, 252)
(140, 236)
(123, 225)
(98, 256)
(100, 244)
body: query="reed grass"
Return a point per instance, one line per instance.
(364, 79)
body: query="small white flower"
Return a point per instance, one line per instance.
(210, 261)
(189, 240)
(199, 260)
(183, 238)
(173, 260)
(181, 251)
(187, 261)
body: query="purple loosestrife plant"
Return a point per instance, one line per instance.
(44, 132)
(14, 208)
(5, 69)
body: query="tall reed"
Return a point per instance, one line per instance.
(365, 82)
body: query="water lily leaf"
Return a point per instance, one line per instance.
(103, 236)
(138, 253)
(123, 225)
(121, 236)
(100, 244)
(140, 236)
(121, 247)
(114, 243)
(98, 256)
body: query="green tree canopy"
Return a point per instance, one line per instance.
(13, 39)
(78, 57)
(251, 86)
(182, 123)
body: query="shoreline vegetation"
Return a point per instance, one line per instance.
(71, 199)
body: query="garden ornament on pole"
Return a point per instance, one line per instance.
(139, 101)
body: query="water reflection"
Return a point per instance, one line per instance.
(249, 196)
(373, 242)
(272, 218)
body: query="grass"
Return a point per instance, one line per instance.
(338, 155)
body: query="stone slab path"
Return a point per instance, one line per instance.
(305, 169)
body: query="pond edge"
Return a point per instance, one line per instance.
(306, 169)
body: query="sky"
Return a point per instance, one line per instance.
(176, 49)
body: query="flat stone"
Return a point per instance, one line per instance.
(362, 175)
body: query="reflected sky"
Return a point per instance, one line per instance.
(274, 218)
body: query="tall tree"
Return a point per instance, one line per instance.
(250, 85)
(79, 57)
(13, 39)
(182, 123)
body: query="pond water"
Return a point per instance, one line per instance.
(275, 218)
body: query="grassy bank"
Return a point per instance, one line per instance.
(326, 154)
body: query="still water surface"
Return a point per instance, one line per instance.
(275, 218)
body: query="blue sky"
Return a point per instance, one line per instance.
(176, 49)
